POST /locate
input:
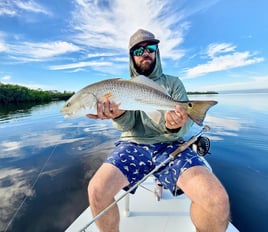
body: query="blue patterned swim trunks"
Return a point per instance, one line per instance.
(137, 160)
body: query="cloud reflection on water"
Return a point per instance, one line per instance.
(14, 148)
(224, 126)
(14, 186)
(58, 149)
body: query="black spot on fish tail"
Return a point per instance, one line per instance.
(197, 110)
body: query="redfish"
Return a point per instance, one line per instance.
(139, 93)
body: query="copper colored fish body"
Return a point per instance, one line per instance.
(140, 93)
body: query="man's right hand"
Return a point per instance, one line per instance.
(107, 110)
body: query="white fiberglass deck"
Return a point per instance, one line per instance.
(147, 214)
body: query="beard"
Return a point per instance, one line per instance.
(145, 68)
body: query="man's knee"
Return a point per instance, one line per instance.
(221, 204)
(106, 183)
(205, 189)
(94, 192)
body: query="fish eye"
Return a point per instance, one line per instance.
(68, 104)
(190, 104)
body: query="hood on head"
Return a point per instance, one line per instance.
(142, 36)
(156, 73)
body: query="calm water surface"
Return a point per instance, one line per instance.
(46, 162)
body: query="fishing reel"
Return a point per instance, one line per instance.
(201, 146)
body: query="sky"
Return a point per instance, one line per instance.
(211, 45)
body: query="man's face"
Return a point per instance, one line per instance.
(145, 63)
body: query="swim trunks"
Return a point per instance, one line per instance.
(137, 160)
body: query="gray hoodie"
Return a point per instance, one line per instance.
(137, 127)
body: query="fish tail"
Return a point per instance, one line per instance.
(197, 110)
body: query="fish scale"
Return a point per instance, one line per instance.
(140, 93)
(133, 92)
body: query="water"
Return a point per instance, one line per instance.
(47, 161)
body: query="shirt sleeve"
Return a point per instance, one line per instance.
(125, 122)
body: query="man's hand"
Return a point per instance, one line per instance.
(107, 110)
(176, 118)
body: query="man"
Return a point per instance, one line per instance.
(144, 144)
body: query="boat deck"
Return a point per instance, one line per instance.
(146, 213)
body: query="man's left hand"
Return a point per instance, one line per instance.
(176, 118)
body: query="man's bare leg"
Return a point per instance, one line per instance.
(102, 188)
(210, 209)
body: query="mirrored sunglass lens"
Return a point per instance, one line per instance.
(151, 48)
(138, 51)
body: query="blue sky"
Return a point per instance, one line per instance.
(66, 45)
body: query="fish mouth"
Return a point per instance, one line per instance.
(66, 113)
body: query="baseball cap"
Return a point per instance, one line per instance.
(141, 35)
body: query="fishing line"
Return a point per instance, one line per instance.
(33, 185)
(149, 190)
(172, 155)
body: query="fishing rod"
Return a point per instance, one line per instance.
(172, 155)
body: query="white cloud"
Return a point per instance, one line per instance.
(244, 83)
(241, 82)
(223, 62)
(28, 51)
(14, 7)
(30, 85)
(6, 78)
(77, 70)
(6, 9)
(36, 86)
(80, 65)
(105, 27)
(261, 79)
(214, 49)
(24, 51)
(95, 26)
(31, 6)
(94, 55)
(3, 46)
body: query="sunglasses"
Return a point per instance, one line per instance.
(138, 51)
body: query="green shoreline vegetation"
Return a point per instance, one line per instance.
(14, 94)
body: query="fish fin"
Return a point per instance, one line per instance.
(106, 96)
(146, 81)
(197, 110)
(155, 116)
